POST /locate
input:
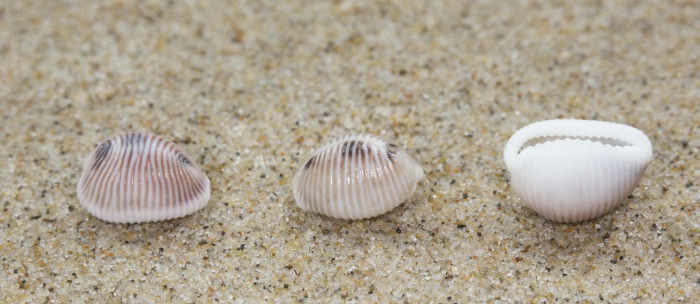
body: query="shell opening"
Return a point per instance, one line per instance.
(604, 140)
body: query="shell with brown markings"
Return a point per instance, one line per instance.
(139, 177)
(356, 176)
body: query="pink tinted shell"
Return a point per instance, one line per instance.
(139, 177)
(356, 176)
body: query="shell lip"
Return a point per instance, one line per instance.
(579, 130)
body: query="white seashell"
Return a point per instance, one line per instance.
(356, 176)
(575, 170)
(139, 177)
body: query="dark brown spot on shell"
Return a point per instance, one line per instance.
(184, 160)
(309, 163)
(354, 148)
(390, 155)
(345, 148)
(102, 153)
(391, 151)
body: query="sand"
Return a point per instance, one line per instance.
(249, 89)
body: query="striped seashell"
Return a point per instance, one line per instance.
(575, 170)
(356, 176)
(139, 177)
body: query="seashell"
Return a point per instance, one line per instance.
(356, 176)
(574, 170)
(139, 177)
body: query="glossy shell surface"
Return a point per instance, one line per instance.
(356, 176)
(139, 177)
(575, 170)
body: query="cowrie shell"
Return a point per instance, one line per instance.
(139, 177)
(356, 176)
(575, 170)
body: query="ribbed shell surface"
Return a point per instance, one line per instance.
(139, 177)
(356, 176)
(576, 170)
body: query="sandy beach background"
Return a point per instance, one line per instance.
(250, 88)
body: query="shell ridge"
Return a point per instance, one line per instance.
(334, 185)
(621, 187)
(127, 182)
(541, 195)
(312, 182)
(174, 180)
(554, 196)
(392, 178)
(527, 172)
(181, 183)
(538, 174)
(124, 177)
(554, 177)
(116, 180)
(333, 179)
(360, 190)
(83, 190)
(137, 188)
(391, 173)
(174, 190)
(615, 178)
(592, 189)
(349, 181)
(192, 184)
(409, 186)
(148, 175)
(111, 181)
(89, 194)
(582, 197)
(578, 197)
(159, 201)
(378, 200)
(143, 187)
(160, 190)
(352, 175)
(176, 200)
(309, 182)
(364, 193)
(143, 172)
(367, 177)
(341, 206)
(103, 191)
(600, 178)
(380, 181)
